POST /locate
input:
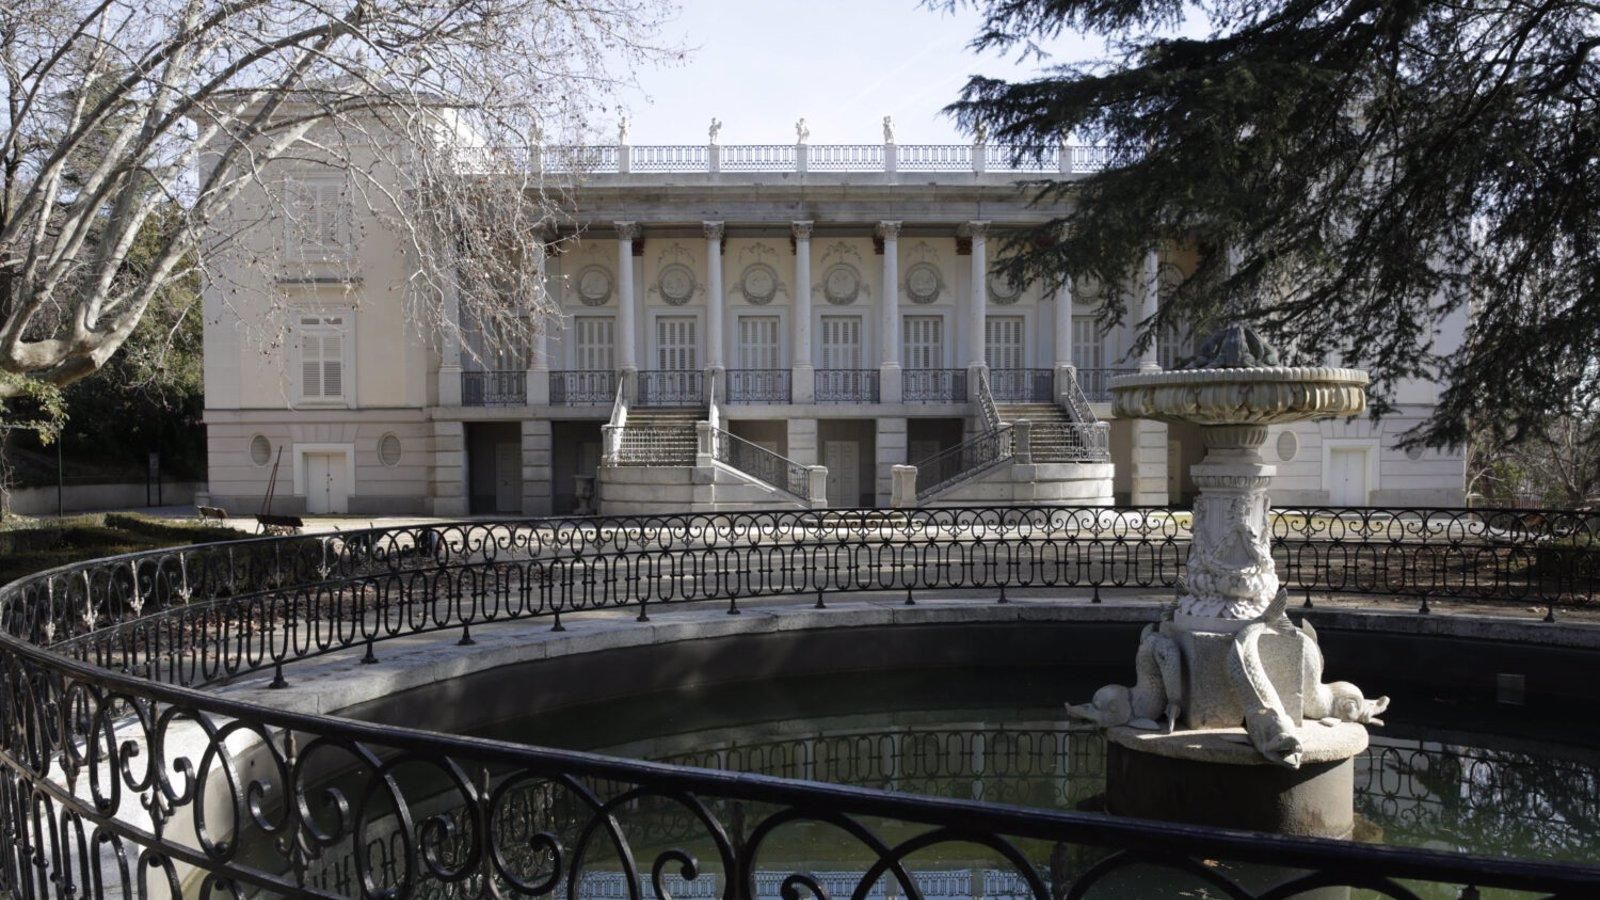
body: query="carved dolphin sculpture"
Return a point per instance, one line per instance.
(1337, 701)
(1271, 730)
(1157, 694)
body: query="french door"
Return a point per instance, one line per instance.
(758, 343)
(1003, 351)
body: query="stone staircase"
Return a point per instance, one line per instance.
(660, 437)
(1051, 440)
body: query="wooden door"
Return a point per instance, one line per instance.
(843, 459)
(327, 484)
(1347, 477)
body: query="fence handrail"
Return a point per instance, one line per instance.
(197, 615)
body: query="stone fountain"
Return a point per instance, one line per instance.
(1229, 722)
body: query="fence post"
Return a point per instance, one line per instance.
(1022, 442)
(705, 450)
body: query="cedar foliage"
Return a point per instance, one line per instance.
(1374, 165)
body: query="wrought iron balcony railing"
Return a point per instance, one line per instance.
(1023, 385)
(671, 387)
(847, 386)
(1096, 383)
(933, 385)
(759, 385)
(497, 388)
(582, 387)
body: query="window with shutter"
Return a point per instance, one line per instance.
(1003, 342)
(758, 342)
(841, 342)
(318, 217)
(322, 358)
(924, 342)
(596, 342)
(1088, 350)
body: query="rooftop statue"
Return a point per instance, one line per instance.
(801, 132)
(714, 131)
(888, 130)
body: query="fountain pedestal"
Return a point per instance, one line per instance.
(1215, 777)
(1260, 741)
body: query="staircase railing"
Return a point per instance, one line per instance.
(963, 461)
(1076, 401)
(611, 432)
(761, 464)
(1078, 441)
(991, 413)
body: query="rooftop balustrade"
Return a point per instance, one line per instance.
(613, 159)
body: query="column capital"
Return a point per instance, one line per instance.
(713, 230)
(802, 230)
(977, 228)
(628, 231)
(888, 230)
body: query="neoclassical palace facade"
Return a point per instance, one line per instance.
(766, 326)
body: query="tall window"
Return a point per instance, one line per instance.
(841, 342)
(318, 220)
(322, 358)
(1088, 351)
(1174, 345)
(1003, 342)
(677, 347)
(924, 342)
(758, 342)
(595, 338)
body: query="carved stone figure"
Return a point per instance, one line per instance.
(980, 133)
(622, 131)
(801, 132)
(1156, 696)
(1272, 731)
(1338, 701)
(714, 131)
(888, 130)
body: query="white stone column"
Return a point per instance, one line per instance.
(803, 387)
(627, 304)
(978, 310)
(889, 381)
(449, 384)
(538, 374)
(714, 298)
(1149, 298)
(1066, 372)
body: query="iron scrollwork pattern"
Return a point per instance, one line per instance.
(121, 775)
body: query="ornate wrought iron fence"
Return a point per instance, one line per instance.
(763, 464)
(846, 385)
(933, 385)
(117, 771)
(497, 388)
(582, 387)
(759, 385)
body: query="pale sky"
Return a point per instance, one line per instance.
(758, 65)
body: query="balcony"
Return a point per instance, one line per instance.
(847, 386)
(1096, 383)
(933, 385)
(759, 385)
(583, 387)
(1022, 385)
(671, 387)
(495, 388)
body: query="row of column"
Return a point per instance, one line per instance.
(889, 330)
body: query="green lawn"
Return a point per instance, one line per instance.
(32, 545)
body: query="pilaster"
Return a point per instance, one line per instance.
(449, 487)
(1148, 471)
(537, 446)
(803, 441)
(891, 449)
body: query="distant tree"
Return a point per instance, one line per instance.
(1351, 172)
(116, 111)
